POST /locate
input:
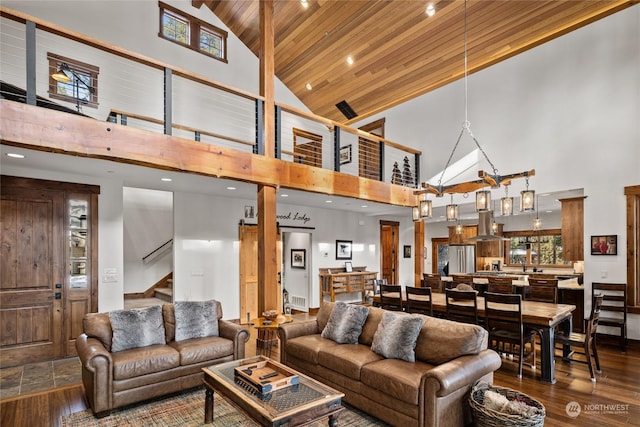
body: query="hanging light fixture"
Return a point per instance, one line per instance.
(416, 213)
(483, 200)
(494, 180)
(537, 223)
(459, 228)
(452, 211)
(425, 208)
(494, 224)
(527, 199)
(506, 203)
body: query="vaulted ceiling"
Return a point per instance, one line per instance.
(399, 52)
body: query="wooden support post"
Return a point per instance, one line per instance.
(419, 251)
(267, 226)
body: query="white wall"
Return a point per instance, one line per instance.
(148, 224)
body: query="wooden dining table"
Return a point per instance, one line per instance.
(541, 316)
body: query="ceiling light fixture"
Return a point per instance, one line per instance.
(506, 203)
(308, 86)
(537, 223)
(166, 179)
(304, 3)
(350, 60)
(431, 10)
(15, 155)
(493, 180)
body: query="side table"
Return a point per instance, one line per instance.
(267, 336)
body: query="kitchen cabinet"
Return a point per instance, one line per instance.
(573, 228)
(468, 231)
(491, 248)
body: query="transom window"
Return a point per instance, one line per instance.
(193, 33)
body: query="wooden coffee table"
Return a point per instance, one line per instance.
(299, 404)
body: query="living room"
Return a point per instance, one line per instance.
(526, 89)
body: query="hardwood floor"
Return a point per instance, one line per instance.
(619, 386)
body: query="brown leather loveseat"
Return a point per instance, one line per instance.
(430, 391)
(116, 378)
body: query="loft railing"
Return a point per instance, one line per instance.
(171, 100)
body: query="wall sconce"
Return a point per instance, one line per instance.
(483, 200)
(527, 199)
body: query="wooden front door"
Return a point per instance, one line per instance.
(31, 275)
(389, 241)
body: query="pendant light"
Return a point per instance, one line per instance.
(537, 223)
(527, 199)
(506, 203)
(452, 211)
(425, 208)
(483, 200)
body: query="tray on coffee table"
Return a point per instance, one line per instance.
(265, 376)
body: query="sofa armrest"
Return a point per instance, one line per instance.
(462, 371)
(292, 330)
(97, 373)
(236, 333)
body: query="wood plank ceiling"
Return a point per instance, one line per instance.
(399, 52)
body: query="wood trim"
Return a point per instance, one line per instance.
(632, 194)
(418, 251)
(23, 125)
(434, 251)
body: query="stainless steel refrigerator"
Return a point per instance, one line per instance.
(462, 259)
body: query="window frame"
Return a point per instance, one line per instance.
(196, 27)
(555, 232)
(78, 67)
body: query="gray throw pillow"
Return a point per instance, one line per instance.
(396, 336)
(196, 319)
(345, 323)
(139, 327)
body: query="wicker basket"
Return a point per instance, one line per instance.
(483, 416)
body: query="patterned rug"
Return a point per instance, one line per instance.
(187, 409)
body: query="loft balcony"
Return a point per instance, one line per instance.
(145, 112)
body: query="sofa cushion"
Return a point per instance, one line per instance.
(347, 359)
(198, 350)
(307, 347)
(323, 314)
(441, 340)
(396, 378)
(138, 327)
(345, 323)
(97, 325)
(195, 319)
(144, 360)
(396, 335)
(371, 325)
(169, 315)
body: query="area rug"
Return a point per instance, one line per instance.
(187, 409)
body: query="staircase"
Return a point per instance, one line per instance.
(165, 293)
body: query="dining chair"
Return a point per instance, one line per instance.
(418, 300)
(614, 307)
(391, 297)
(542, 290)
(507, 334)
(502, 288)
(586, 341)
(432, 282)
(462, 306)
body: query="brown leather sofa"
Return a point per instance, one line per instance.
(432, 391)
(115, 379)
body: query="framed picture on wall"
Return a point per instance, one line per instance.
(604, 245)
(298, 258)
(345, 154)
(343, 249)
(407, 251)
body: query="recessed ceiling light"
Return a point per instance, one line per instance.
(308, 86)
(364, 206)
(166, 179)
(431, 10)
(304, 3)
(15, 155)
(284, 195)
(350, 60)
(328, 201)
(231, 188)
